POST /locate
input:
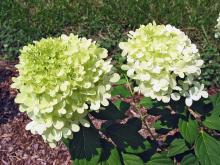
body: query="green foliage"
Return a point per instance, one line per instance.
(188, 129)
(146, 102)
(194, 144)
(207, 149)
(178, 146)
(89, 147)
(189, 159)
(210, 72)
(121, 90)
(160, 159)
(130, 159)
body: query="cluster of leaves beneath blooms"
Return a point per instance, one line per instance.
(217, 27)
(60, 81)
(164, 63)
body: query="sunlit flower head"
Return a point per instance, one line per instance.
(164, 63)
(60, 80)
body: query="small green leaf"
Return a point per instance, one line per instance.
(160, 159)
(111, 112)
(146, 102)
(189, 159)
(213, 121)
(207, 149)
(188, 129)
(122, 106)
(121, 90)
(178, 146)
(158, 125)
(130, 159)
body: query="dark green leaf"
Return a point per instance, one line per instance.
(189, 159)
(160, 159)
(178, 146)
(111, 112)
(85, 147)
(213, 121)
(167, 120)
(215, 99)
(109, 155)
(207, 149)
(188, 129)
(130, 159)
(178, 106)
(121, 90)
(126, 136)
(146, 102)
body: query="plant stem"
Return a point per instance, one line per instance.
(194, 114)
(138, 109)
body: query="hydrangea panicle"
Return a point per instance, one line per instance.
(60, 80)
(164, 63)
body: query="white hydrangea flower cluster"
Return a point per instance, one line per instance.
(60, 81)
(164, 63)
(217, 27)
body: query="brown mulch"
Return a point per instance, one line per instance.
(20, 147)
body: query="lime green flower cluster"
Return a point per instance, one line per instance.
(164, 63)
(217, 27)
(60, 81)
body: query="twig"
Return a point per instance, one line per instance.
(195, 115)
(137, 109)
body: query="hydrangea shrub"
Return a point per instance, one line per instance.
(65, 81)
(217, 27)
(164, 63)
(60, 81)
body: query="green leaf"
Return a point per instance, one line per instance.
(189, 159)
(188, 129)
(215, 99)
(213, 121)
(178, 146)
(126, 136)
(158, 125)
(122, 106)
(85, 147)
(111, 112)
(121, 90)
(207, 149)
(130, 159)
(109, 155)
(146, 102)
(160, 159)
